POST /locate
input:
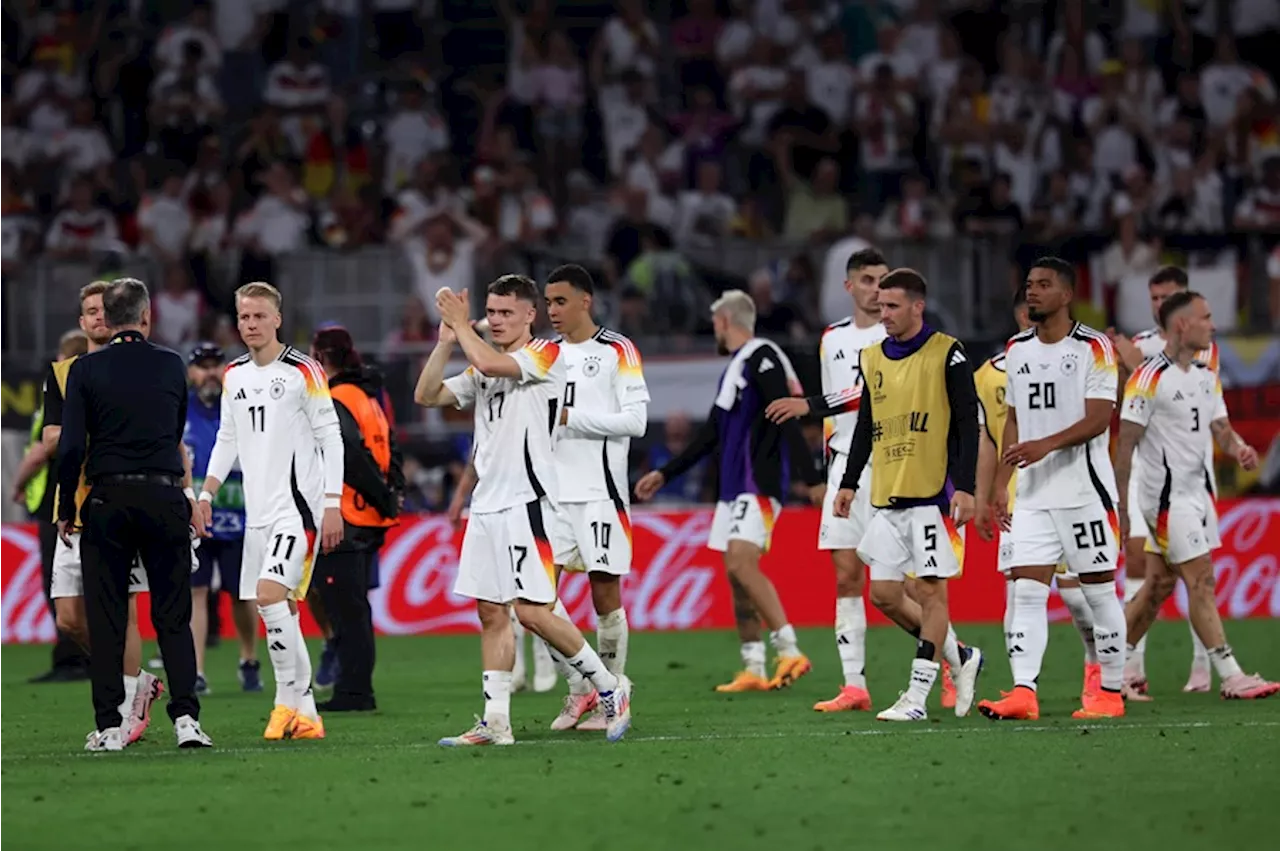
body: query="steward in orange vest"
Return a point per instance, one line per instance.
(371, 496)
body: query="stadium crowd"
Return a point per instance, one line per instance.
(634, 136)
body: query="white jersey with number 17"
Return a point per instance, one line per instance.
(1048, 387)
(515, 423)
(606, 401)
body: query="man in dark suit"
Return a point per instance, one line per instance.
(123, 419)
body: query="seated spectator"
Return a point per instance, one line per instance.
(298, 86)
(82, 227)
(414, 131)
(164, 220)
(336, 156)
(816, 210)
(705, 213)
(776, 321)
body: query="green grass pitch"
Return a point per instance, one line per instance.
(697, 770)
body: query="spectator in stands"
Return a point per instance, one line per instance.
(694, 37)
(557, 89)
(830, 79)
(816, 211)
(82, 226)
(276, 224)
(1222, 81)
(625, 118)
(1056, 211)
(777, 321)
(264, 145)
(336, 156)
(705, 213)
(624, 242)
(176, 310)
(164, 220)
(915, 215)
(21, 225)
(1127, 265)
(886, 122)
(45, 91)
(755, 94)
(413, 132)
(1260, 208)
(628, 42)
(526, 214)
(170, 52)
(82, 148)
(703, 129)
(298, 86)
(441, 243)
(589, 219)
(185, 104)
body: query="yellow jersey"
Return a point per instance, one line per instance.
(61, 369)
(991, 381)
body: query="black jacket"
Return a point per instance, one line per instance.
(361, 470)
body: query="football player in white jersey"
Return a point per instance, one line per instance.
(1171, 406)
(1166, 281)
(1061, 394)
(606, 403)
(512, 544)
(838, 405)
(279, 420)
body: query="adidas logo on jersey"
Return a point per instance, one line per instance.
(839, 355)
(1177, 397)
(240, 395)
(276, 569)
(932, 562)
(1025, 369)
(1101, 558)
(604, 559)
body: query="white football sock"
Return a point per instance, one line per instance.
(851, 640)
(496, 687)
(281, 636)
(612, 637)
(1082, 617)
(517, 629)
(1029, 635)
(753, 658)
(1199, 653)
(1109, 631)
(923, 674)
(130, 693)
(951, 650)
(1224, 662)
(302, 685)
(1138, 658)
(784, 641)
(577, 683)
(588, 664)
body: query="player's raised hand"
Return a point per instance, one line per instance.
(782, 410)
(453, 308)
(446, 334)
(331, 531)
(843, 503)
(1246, 456)
(1025, 454)
(961, 508)
(650, 483)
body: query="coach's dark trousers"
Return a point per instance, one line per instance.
(342, 578)
(121, 522)
(66, 653)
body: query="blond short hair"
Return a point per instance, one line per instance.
(92, 289)
(260, 289)
(738, 308)
(74, 342)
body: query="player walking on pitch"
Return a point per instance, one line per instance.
(915, 376)
(1061, 394)
(1166, 282)
(1166, 404)
(508, 554)
(752, 481)
(605, 404)
(992, 381)
(279, 420)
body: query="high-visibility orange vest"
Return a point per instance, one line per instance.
(376, 435)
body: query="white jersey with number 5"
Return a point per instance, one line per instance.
(279, 420)
(515, 423)
(607, 402)
(1048, 388)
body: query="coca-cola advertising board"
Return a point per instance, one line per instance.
(676, 583)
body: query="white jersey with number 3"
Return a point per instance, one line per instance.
(515, 423)
(1048, 387)
(606, 401)
(279, 420)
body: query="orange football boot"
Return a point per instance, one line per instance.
(850, 699)
(789, 669)
(280, 724)
(744, 681)
(1100, 704)
(1021, 704)
(307, 728)
(1092, 680)
(948, 688)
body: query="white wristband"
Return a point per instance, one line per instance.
(332, 502)
(205, 496)
(188, 493)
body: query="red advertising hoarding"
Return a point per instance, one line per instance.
(676, 583)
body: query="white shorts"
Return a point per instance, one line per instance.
(748, 518)
(1004, 561)
(1085, 538)
(911, 542)
(1186, 529)
(599, 536)
(68, 573)
(839, 533)
(283, 552)
(512, 554)
(1137, 523)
